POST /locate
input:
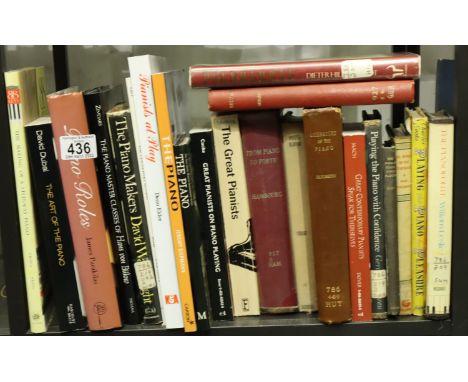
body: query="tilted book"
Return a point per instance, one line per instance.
(236, 215)
(323, 129)
(354, 151)
(131, 196)
(212, 227)
(266, 184)
(97, 102)
(297, 188)
(166, 107)
(375, 179)
(22, 100)
(84, 207)
(316, 95)
(403, 192)
(54, 228)
(418, 126)
(391, 228)
(439, 215)
(150, 162)
(397, 66)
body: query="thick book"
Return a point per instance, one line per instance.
(391, 228)
(439, 215)
(97, 102)
(398, 66)
(373, 126)
(418, 125)
(236, 215)
(354, 152)
(193, 239)
(148, 143)
(208, 200)
(22, 102)
(323, 129)
(54, 228)
(297, 189)
(445, 86)
(316, 95)
(166, 108)
(402, 140)
(84, 207)
(266, 183)
(134, 215)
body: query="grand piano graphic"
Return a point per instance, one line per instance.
(242, 254)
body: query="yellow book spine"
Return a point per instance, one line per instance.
(419, 133)
(20, 114)
(43, 109)
(173, 199)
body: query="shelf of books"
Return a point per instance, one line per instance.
(233, 197)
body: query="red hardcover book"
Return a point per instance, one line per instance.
(399, 66)
(354, 150)
(68, 115)
(317, 95)
(264, 167)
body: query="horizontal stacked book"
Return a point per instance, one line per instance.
(131, 215)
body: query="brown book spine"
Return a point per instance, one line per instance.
(317, 95)
(264, 167)
(324, 151)
(399, 66)
(84, 209)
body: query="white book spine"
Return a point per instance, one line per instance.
(439, 218)
(148, 144)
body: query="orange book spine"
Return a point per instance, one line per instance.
(68, 115)
(173, 199)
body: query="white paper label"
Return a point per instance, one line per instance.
(76, 147)
(145, 274)
(378, 283)
(356, 69)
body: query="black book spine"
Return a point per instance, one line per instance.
(391, 230)
(376, 218)
(54, 229)
(130, 193)
(191, 218)
(96, 107)
(212, 225)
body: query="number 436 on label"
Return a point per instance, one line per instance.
(75, 147)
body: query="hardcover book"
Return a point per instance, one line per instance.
(136, 224)
(439, 215)
(266, 183)
(97, 102)
(418, 126)
(212, 227)
(316, 95)
(54, 228)
(398, 66)
(148, 143)
(375, 166)
(299, 212)
(236, 215)
(354, 152)
(84, 207)
(323, 129)
(191, 217)
(445, 86)
(391, 228)
(22, 101)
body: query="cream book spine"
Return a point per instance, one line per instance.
(299, 217)
(403, 165)
(236, 215)
(22, 102)
(439, 215)
(148, 143)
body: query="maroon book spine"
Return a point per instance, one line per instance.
(263, 157)
(318, 95)
(396, 67)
